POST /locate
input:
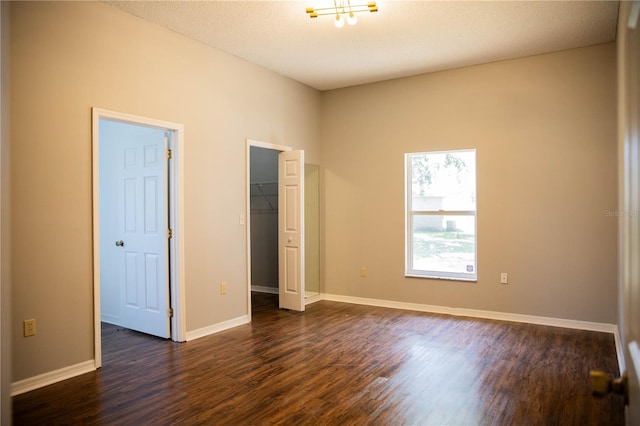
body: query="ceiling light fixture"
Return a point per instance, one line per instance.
(341, 8)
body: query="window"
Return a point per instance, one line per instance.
(441, 214)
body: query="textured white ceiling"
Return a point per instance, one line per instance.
(404, 38)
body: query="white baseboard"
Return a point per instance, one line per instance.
(217, 328)
(313, 299)
(475, 313)
(51, 377)
(274, 290)
(264, 289)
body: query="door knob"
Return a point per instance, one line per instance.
(603, 384)
(120, 243)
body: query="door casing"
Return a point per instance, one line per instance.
(259, 144)
(629, 196)
(176, 222)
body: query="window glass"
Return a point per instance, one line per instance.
(441, 214)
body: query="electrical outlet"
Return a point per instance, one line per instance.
(363, 271)
(504, 278)
(29, 327)
(223, 288)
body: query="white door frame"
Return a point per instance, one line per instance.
(259, 144)
(176, 222)
(629, 159)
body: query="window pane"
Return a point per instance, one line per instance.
(443, 181)
(444, 244)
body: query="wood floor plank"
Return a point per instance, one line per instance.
(340, 364)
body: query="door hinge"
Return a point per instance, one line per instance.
(170, 313)
(169, 154)
(169, 233)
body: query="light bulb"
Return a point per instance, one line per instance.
(339, 22)
(352, 19)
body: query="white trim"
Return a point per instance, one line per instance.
(268, 145)
(179, 298)
(410, 213)
(45, 379)
(433, 277)
(619, 352)
(176, 190)
(632, 23)
(216, 328)
(274, 290)
(247, 207)
(474, 313)
(264, 289)
(634, 354)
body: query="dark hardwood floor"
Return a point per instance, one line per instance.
(340, 364)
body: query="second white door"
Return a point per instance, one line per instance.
(291, 230)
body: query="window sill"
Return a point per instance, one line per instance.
(426, 277)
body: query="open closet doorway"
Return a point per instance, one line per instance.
(276, 223)
(138, 281)
(263, 211)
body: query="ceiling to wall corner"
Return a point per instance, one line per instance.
(404, 38)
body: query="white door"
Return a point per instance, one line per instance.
(631, 209)
(134, 226)
(291, 229)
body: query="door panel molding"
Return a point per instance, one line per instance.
(291, 256)
(176, 220)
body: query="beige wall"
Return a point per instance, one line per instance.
(69, 57)
(545, 132)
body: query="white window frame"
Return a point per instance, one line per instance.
(410, 271)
